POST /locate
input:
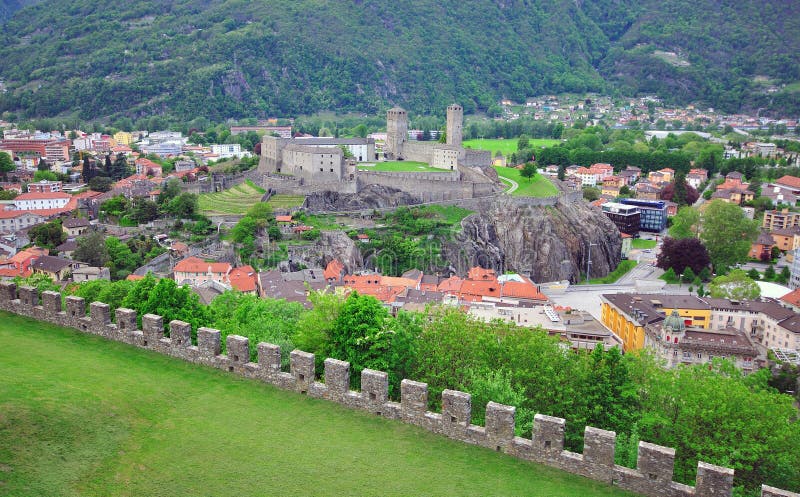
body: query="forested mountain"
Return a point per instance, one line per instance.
(232, 58)
(8, 7)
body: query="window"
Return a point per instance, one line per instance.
(699, 355)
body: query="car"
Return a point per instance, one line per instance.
(648, 251)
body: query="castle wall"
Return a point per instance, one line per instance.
(652, 476)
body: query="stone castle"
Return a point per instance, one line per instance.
(655, 464)
(305, 165)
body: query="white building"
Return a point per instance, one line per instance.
(34, 201)
(229, 151)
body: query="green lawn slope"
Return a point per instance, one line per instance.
(81, 416)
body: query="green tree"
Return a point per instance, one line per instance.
(92, 249)
(6, 165)
(727, 234)
(734, 285)
(754, 275)
(48, 235)
(183, 206)
(100, 183)
(46, 175)
(679, 189)
(769, 273)
(783, 276)
(523, 142)
(685, 223)
(688, 275)
(528, 170)
(591, 193)
(669, 276)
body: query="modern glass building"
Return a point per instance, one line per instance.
(652, 214)
(626, 217)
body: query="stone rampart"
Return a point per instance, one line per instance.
(652, 476)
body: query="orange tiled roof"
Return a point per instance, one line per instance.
(243, 278)
(527, 290)
(480, 274)
(451, 284)
(283, 219)
(198, 265)
(397, 281)
(792, 181)
(42, 196)
(476, 290)
(134, 277)
(333, 270)
(792, 297)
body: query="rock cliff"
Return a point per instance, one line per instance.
(370, 197)
(547, 243)
(330, 245)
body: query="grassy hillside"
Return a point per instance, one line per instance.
(80, 416)
(230, 58)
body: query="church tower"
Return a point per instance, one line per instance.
(396, 133)
(455, 123)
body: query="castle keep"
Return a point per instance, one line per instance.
(652, 476)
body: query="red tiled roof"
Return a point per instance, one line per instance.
(792, 298)
(791, 181)
(480, 274)
(243, 278)
(197, 265)
(42, 196)
(451, 284)
(333, 270)
(283, 219)
(521, 290)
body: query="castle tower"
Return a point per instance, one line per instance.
(455, 123)
(396, 133)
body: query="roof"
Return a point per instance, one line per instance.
(243, 278)
(75, 222)
(792, 298)
(481, 274)
(333, 270)
(42, 196)
(283, 219)
(791, 181)
(197, 265)
(526, 290)
(765, 238)
(51, 264)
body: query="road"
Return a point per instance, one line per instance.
(514, 185)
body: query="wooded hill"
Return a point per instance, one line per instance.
(233, 58)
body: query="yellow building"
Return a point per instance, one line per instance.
(123, 138)
(627, 314)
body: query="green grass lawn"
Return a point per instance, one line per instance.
(281, 201)
(538, 186)
(613, 276)
(402, 166)
(234, 200)
(505, 146)
(81, 416)
(641, 243)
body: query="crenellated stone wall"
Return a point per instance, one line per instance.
(652, 476)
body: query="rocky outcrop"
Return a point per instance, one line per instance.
(547, 243)
(330, 245)
(370, 197)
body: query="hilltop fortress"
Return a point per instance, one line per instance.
(655, 464)
(307, 165)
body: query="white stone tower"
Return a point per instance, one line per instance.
(455, 123)
(396, 133)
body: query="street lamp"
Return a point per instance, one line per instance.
(589, 259)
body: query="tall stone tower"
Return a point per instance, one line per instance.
(455, 123)
(396, 133)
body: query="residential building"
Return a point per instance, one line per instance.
(75, 226)
(45, 186)
(123, 138)
(676, 344)
(653, 214)
(57, 268)
(20, 263)
(786, 239)
(37, 201)
(11, 220)
(90, 273)
(229, 150)
(791, 183)
(244, 279)
(794, 279)
(625, 217)
(587, 176)
(195, 271)
(281, 131)
(780, 219)
(647, 191)
(762, 248)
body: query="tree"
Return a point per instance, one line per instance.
(48, 235)
(45, 175)
(685, 223)
(92, 249)
(784, 275)
(735, 286)
(687, 274)
(591, 193)
(88, 169)
(727, 233)
(680, 254)
(144, 210)
(670, 276)
(754, 275)
(183, 206)
(100, 183)
(769, 273)
(43, 165)
(682, 191)
(562, 172)
(528, 170)
(523, 142)
(6, 165)
(775, 253)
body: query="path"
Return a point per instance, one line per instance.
(514, 184)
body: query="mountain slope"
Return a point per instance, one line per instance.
(231, 58)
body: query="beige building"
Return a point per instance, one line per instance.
(781, 219)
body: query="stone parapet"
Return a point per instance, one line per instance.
(655, 464)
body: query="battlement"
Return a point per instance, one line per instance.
(655, 464)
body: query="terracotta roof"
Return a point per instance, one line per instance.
(197, 265)
(11, 214)
(42, 196)
(791, 181)
(333, 270)
(134, 277)
(451, 284)
(476, 290)
(521, 290)
(480, 274)
(792, 298)
(243, 278)
(283, 219)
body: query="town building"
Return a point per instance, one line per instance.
(781, 219)
(652, 214)
(45, 186)
(37, 201)
(195, 271)
(13, 220)
(625, 217)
